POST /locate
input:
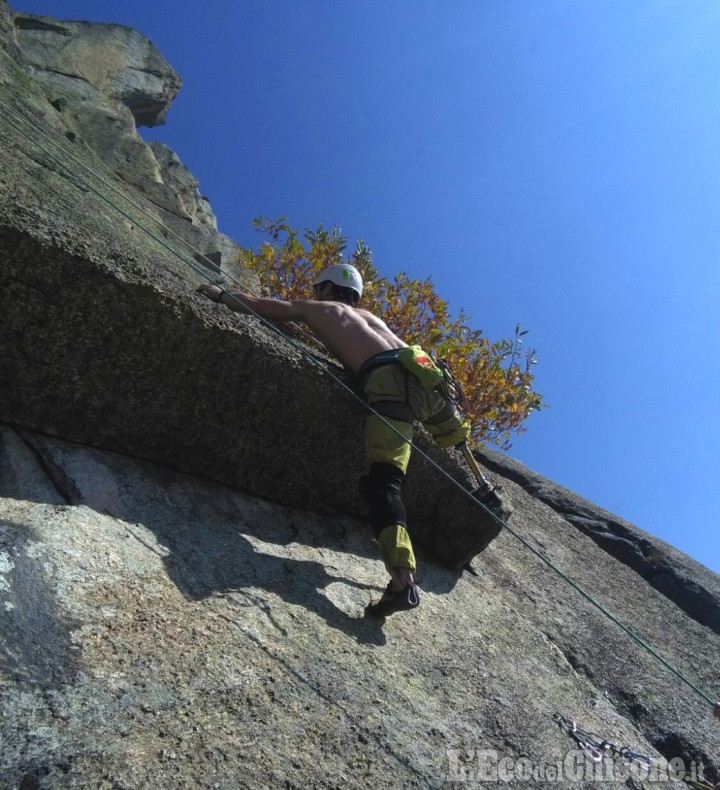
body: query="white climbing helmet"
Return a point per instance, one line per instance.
(342, 274)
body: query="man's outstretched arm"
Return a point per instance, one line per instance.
(273, 309)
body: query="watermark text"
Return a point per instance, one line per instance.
(476, 766)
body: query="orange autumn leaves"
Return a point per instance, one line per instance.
(496, 377)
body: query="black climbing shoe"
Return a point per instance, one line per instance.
(395, 601)
(494, 502)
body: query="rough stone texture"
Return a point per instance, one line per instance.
(118, 61)
(101, 318)
(103, 81)
(687, 583)
(183, 183)
(164, 631)
(184, 562)
(7, 33)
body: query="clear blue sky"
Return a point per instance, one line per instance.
(548, 162)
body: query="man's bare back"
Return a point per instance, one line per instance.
(349, 333)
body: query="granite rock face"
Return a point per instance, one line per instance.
(163, 630)
(184, 559)
(103, 81)
(106, 343)
(119, 62)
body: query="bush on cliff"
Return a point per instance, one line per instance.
(496, 377)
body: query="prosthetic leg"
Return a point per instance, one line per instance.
(486, 494)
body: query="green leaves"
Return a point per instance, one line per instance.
(496, 376)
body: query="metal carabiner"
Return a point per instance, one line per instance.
(581, 738)
(631, 754)
(593, 752)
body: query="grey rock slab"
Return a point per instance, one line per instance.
(107, 343)
(202, 636)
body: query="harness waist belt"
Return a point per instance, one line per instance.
(377, 361)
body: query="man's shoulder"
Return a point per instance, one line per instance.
(320, 306)
(314, 310)
(371, 318)
(308, 305)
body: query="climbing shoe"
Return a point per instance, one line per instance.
(493, 501)
(395, 601)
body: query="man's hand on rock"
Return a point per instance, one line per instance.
(211, 291)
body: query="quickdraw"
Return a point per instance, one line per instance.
(450, 386)
(597, 749)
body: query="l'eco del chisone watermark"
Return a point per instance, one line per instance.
(475, 767)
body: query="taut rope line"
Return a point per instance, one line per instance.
(305, 352)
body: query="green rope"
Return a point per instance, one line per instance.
(349, 390)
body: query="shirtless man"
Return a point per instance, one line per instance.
(369, 350)
(350, 334)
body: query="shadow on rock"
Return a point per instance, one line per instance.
(220, 540)
(36, 647)
(222, 561)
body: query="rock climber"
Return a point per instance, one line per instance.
(386, 370)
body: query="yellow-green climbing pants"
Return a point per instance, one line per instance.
(402, 400)
(396, 549)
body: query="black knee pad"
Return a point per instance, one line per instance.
(381, 489)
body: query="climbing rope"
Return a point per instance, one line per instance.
(307, 353)
(110, 186)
